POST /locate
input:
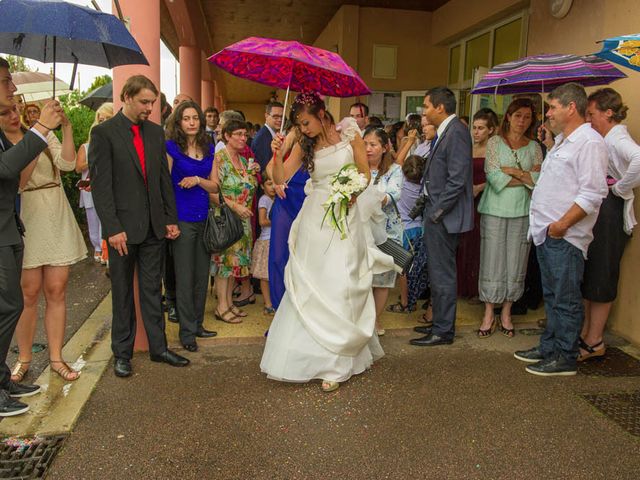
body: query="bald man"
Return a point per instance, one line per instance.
(181, 97)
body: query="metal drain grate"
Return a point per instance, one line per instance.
(23, 458)
(616, 363)
(622, 408)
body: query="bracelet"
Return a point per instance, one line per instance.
(43, 125)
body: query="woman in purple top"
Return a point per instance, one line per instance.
(190, 157)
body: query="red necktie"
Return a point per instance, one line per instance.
(139, 146)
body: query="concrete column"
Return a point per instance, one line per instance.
(208, 94)
(144, 25)
(190, 77)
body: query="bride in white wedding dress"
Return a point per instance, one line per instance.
(324, 326)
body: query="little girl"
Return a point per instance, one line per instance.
(260, 259)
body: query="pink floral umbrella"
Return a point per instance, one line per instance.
(291, 65)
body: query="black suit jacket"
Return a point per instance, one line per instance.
(13, 159)
(122, 200)
(261, 146)
(449, 179)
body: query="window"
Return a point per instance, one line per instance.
(454, 64)
(506, 44)
(476, 54)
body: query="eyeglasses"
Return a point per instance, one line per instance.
(239, 134)
(276, 117)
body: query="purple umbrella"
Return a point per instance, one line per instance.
(291, 65)
(543, 73)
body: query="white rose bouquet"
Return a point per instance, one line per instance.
(343, 185)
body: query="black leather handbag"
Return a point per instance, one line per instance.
(401, 256)
(223, 228)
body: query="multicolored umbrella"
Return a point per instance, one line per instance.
(623, 50)
(543, 73)
(293, 65)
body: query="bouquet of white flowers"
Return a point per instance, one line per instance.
(344, 184)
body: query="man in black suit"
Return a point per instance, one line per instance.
(133, 196)
(448, 212)
(14, 159)
(261, 144)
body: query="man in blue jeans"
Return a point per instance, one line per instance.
(564, 208)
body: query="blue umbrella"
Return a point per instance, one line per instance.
(623, 50)
(57, 31)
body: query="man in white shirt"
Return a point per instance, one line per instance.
(261, 144)
(564, 208)
(360, 113)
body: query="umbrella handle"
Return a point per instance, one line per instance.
(54, 67)
(284, 111)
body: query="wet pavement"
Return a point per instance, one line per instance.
(465, 411)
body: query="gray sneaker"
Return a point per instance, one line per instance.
(533, 355)
(22, 389)
(553, 367)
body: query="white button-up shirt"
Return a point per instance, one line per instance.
(574, 171)
(624, 164)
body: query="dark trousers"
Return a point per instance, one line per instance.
(192, 277)
(561, 267)
(169, 274)
(148, 256)
(11, 303)
(441, 266)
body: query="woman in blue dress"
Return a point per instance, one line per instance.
(285, 209)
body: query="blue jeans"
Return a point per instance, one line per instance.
(561, 268)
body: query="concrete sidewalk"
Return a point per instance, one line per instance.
(466, 411)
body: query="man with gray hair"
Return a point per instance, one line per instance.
(564, 208)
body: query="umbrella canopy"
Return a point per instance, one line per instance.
(82, 35)
(97, 97)
(624, 50)
(290, 65)
(543, 73)
(36, 86)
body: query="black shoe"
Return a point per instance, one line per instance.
(204, 333)
(190, 347)
(553, 367)
(533, 355)
(423, 329)
(430, 340)
(171, 358)
(250, 300)
(22, 389)
(172, 314)
(10, 406)
(122, 367)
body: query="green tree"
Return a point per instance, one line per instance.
(18, 64)
(99, 82)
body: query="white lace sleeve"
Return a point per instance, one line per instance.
(348, 129)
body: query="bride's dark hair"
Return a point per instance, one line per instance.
(312, 104)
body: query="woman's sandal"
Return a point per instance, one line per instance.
(486, 333)
(329, 386)
(592, 350)
(424, 320)
(507, 332)
(269, 311)
(397, 308)
(237, 312)
(223, 318)
(250, 300)
(19, 371)
(65, 371)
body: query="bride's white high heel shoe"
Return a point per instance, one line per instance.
(329, 385)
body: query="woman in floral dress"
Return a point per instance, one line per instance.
(237, 179)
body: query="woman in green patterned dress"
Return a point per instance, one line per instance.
(237, 179)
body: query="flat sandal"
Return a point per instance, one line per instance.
(20, 371)
(64, 371)
(221, 317)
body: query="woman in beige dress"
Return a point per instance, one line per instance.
(52, 242)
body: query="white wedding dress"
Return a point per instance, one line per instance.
(324, 327)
